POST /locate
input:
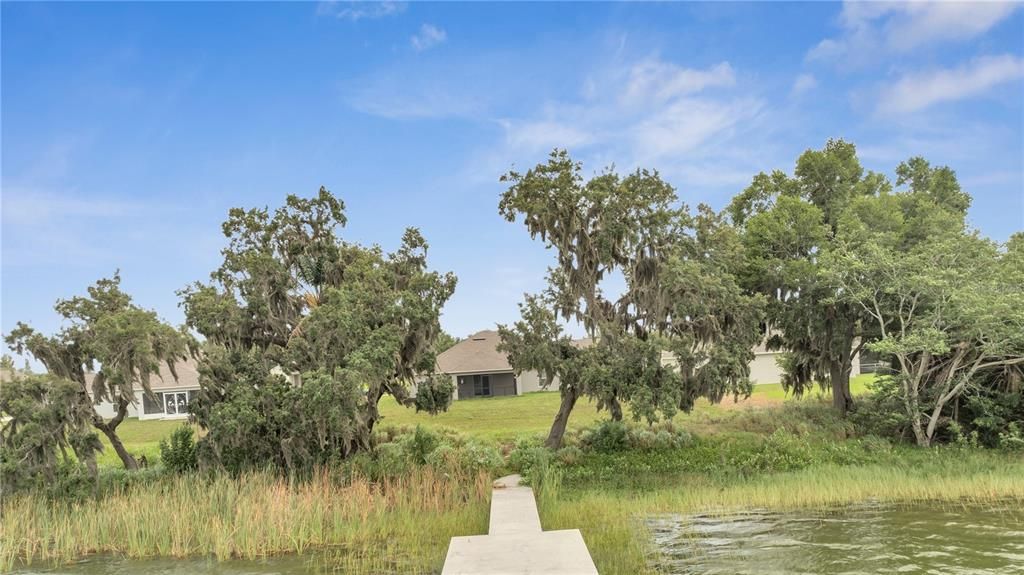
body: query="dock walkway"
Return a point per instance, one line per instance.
(516, 543)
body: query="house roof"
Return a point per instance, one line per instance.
(478, 353)
(188, 377)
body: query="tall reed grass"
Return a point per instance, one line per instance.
(396, 525)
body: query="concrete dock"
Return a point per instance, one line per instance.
(515, 543)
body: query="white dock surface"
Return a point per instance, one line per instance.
(516, 544)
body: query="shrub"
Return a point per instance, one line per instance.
(391, 460)
(1012, 439)
(570, 455)
(608, 437)
(470, 458)
(529, 459)
(179, 456)
(421, 444)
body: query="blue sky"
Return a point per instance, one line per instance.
(129, 130)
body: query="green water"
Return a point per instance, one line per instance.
(864, 539)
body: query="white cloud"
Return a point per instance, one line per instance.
(26, 206)
(413, 97)
(428, 37)
(648, 113)
(917, 91)
(683, 125)
(871, 29)
(359, 10)
(699, 124)
(804, 83)
(544, 134)
(653, 80)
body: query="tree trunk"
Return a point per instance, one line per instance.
(569, 397)
(923, 440)
(109, 429)
(842, 399)
(126, 458)
(615, 408)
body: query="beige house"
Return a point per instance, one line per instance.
(170, 399)
(479, 370)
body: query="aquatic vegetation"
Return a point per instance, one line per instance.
(404, 521)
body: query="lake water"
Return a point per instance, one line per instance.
(851, 541)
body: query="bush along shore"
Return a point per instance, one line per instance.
(394, 510)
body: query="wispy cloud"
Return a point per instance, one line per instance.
(359, 10)
(24, 206)
(804, 83)
(917, 91)
(873, 29)
(649, 112)
(428, 37)
(655, 81)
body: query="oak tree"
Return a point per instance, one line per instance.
(105, 333)
(680, 294)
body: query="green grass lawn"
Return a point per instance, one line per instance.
(497, 419)
(140, 437)
(505, 418)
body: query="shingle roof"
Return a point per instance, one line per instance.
(188, 377)
(477, 353)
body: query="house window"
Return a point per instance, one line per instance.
(152, 405)
(481, 385)
(175, 402)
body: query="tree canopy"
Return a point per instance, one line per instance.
(787, 223)
(680, 293)
(306, 333)
(107, 333)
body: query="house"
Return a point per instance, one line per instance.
(478, 369)
(170, 399)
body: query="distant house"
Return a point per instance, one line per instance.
(478, 369)
(170, 398)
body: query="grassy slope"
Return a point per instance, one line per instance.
(498, 418)
(504, 418)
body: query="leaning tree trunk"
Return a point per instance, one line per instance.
(569, 397)
(109, 429)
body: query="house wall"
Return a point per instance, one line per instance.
(529, 381)
(764, 369)
(107, 411)
(106, 408)
(501, 384)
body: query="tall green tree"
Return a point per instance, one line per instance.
(291, 297)
(787, 223)
(949, 309)
(45, 427)
(680, 293)
(105, 332)
(945, 303)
